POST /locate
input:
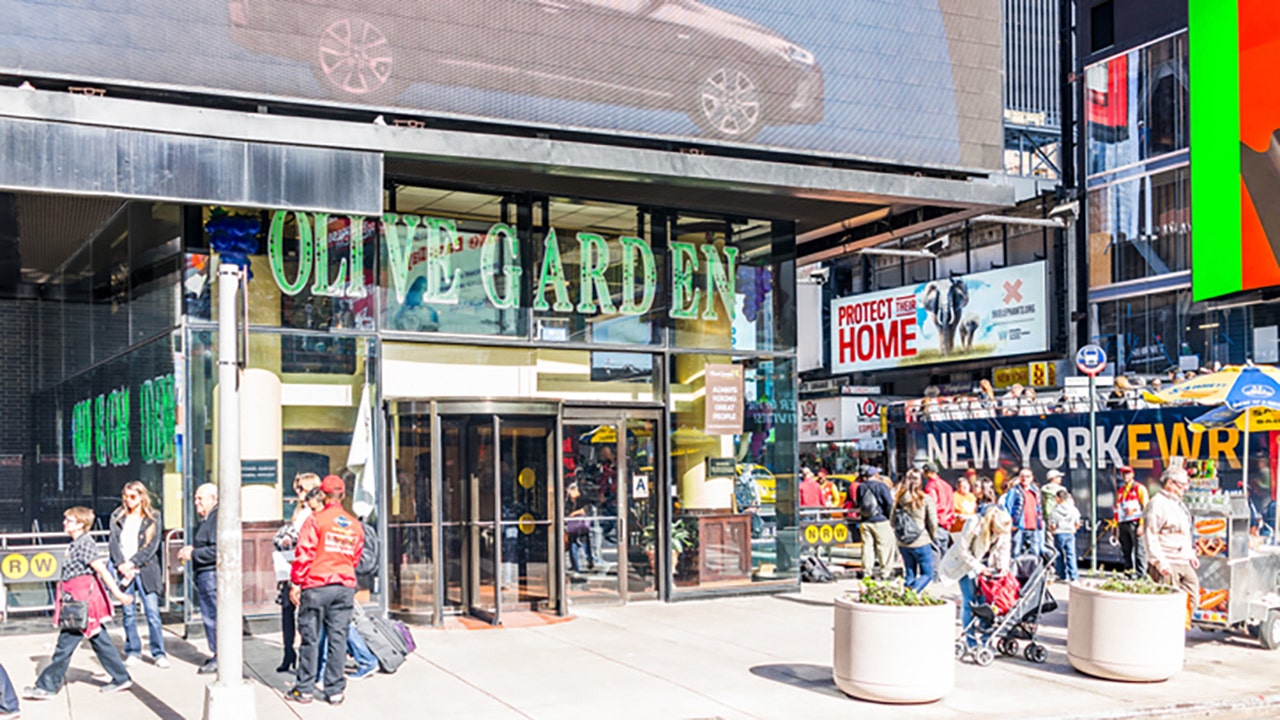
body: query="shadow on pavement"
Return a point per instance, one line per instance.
(816, 678)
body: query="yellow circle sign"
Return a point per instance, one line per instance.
(526, 523)
(811, 534)
(826, 533)
(842, 533)
(14, 566)
(44, 565)
(527, 478)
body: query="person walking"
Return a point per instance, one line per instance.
(1022, 502)
(983, 549)
(324, 586)
(8, 698)
(1168, 536)
(282, 560)
(135, 553)
(1063, 523)
(85, 578)
(917, 552)
(944, 499)
(1131, 504)
(202, 553)
(875, 501)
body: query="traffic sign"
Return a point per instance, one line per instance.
(1091, 360)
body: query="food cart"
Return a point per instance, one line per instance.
(1239, 576)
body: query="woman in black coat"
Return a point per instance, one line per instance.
(135, 553)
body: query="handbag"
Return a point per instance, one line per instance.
(72, 614)
(577, 526)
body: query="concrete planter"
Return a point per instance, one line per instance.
(1123, 636)
(894, 654)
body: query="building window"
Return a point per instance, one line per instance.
(1137, 105)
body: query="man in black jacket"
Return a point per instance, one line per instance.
(203, 554)
(875, 503)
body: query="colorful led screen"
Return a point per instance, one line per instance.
(1235, 146)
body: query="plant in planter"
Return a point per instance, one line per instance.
(894, 645)
(683, 537)
(1126, 628)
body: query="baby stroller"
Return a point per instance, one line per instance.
(1002, 632)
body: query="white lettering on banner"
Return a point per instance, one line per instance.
(958, 449)
(986, 448)
(1025, 444)
(1054, 461)
(1077, 447)
(1109, 447)
(937, 447)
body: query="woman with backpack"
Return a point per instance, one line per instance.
(915, 525)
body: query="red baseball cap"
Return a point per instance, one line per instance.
(332, 485)
(970, 471)
(1125, 469)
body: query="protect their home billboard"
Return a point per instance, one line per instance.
(990, 314)
(910, 81)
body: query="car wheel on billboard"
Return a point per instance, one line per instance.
(355, 60)
(729, 103)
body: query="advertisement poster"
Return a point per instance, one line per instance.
(724, 400)
(910, 81)
(991, 314)
(842, 419)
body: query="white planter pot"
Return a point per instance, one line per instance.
(1123, 636)
(894, 654)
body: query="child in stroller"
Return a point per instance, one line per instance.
(992, 630)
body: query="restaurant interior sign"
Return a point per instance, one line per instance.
(724, 400)
(914, 82)
(1235, 146)
(990, 314)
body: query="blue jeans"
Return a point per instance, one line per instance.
(151, 610)
(356, 648)
(1028, 541)
(968, 595)
(919, 566)
(8, 698)
(68, 640)
(1067, 566)
(207, 594)
(580, 543)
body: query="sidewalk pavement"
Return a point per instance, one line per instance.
(733, 658)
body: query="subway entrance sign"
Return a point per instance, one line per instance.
(30, 564)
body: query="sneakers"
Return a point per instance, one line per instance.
(362, 674)
(296, 695)
(162, 662)
(37, 693)
(115, 687)
(337, 699)
(210, 666)
(132, 660)
(11, 715)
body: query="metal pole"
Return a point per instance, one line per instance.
(1093, 473)
(229, 698)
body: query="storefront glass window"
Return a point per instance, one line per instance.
(1137, 105)
(308, 274)
(292, 421)
(611, 289)
(733, 510)
(452, 262)
(749, 264)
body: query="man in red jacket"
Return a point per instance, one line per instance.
(324, 586)
(944, 497)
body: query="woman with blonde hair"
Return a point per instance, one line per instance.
(135, 554)
(282, 559)
(922, 509)
(984, 548)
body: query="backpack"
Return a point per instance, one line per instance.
(905, 527)
(868, 504)
(389, 651)
(368, 562)
(814, 570)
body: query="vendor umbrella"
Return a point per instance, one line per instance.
(1251, 399)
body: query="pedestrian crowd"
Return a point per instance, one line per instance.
(322, 554)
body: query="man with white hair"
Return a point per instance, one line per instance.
(203, 555)
(1167, 527)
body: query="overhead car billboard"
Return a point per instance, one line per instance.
(990, 314)
(914, 81)
(1235, 146)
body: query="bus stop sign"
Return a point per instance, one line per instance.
(1091, 360)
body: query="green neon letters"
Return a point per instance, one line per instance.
(100, 426)
(501, 238)
(313, 255)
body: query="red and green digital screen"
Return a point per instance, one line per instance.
(1235, 145)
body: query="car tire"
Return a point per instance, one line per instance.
(728, 102)
(355, 60)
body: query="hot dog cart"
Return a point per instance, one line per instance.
(1239, 579)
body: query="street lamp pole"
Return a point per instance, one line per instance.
(229, 697)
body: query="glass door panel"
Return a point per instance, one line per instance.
(591, 510)
(481, 478)
(642, 492)
(411, 565)
(526, 451)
